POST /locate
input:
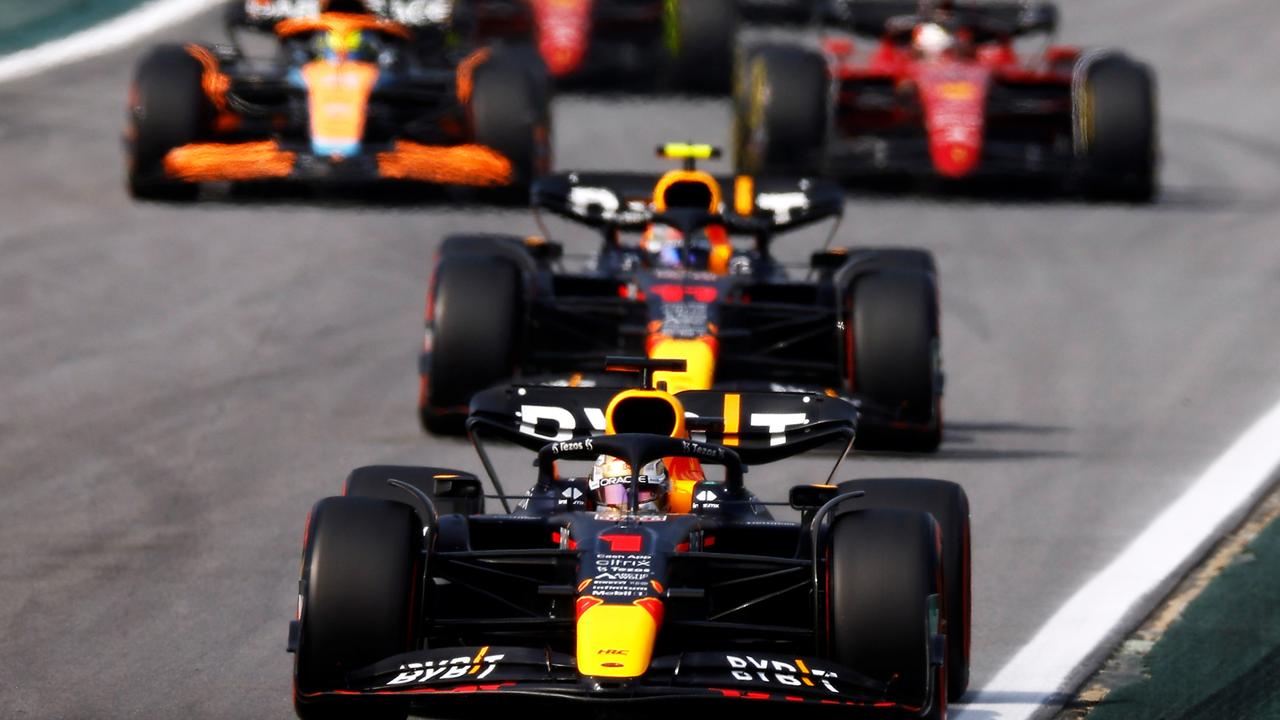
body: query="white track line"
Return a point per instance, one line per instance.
(110, 35)
(1052, 662)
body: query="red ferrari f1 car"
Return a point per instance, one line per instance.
(941, 92)
(685, 271)
(656, 576)
(346, 98)
(675, 44)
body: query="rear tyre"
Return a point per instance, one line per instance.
(701, 36)
(360, 569)
(949, 506)
(168, 109)
(510, 113)
(893, 352)
(884, 581)
(476, 318)
(1117, 124)
(781, 108)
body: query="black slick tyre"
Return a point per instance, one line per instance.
(884, 581)
(358, 595)
(475, 321)
(949, 506)
(701, 36)
(509, 111)
(780, 112)
(1116, 117)
(168, 108)
(893, 353)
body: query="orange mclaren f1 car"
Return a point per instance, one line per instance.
(657, 577)
(684, 272)
(344, 100)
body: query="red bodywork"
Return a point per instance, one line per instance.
(560, 29)
(949, 98)
(579, 39)
(563, 33)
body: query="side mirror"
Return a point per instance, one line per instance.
(831, 259)
(812, 497)
(1040, 18)
(459, 487)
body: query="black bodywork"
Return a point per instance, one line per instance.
(789, 12)
(742, 592)
(776, 329)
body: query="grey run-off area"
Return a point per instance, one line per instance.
(178, 385)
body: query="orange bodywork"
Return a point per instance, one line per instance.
(343, 23)
(744, 195)
(215, 85)
(468, 165)
(211, 162)
(686, 176)
(339, 93)
(466, 73)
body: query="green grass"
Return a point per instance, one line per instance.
(1221, 660)
(25, 23)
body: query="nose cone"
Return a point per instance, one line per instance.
(955, 102)
(616, 641)
(564, 32)
(338, 100)
(337, 149)
(562, 60)
(955, 159)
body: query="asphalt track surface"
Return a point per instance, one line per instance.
(179, 384)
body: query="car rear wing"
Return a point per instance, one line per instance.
(871, 17)
(762, 427)
(754, 206)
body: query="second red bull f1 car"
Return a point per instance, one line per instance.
(643, 580)
(684, 272)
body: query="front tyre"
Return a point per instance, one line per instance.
(168, 108)
(361, 565)
(884, 584)
(949, 506)
(1116, 121)
(781, 100)
(700, 38)
(475, 316)
(510, 113)
(893, 353)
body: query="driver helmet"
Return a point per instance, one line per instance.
(932, 40)
(343, 43)
(666, 248)
(610, 484)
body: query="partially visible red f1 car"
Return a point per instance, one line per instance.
(676, 44)
(344, 99)
(943, 93)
